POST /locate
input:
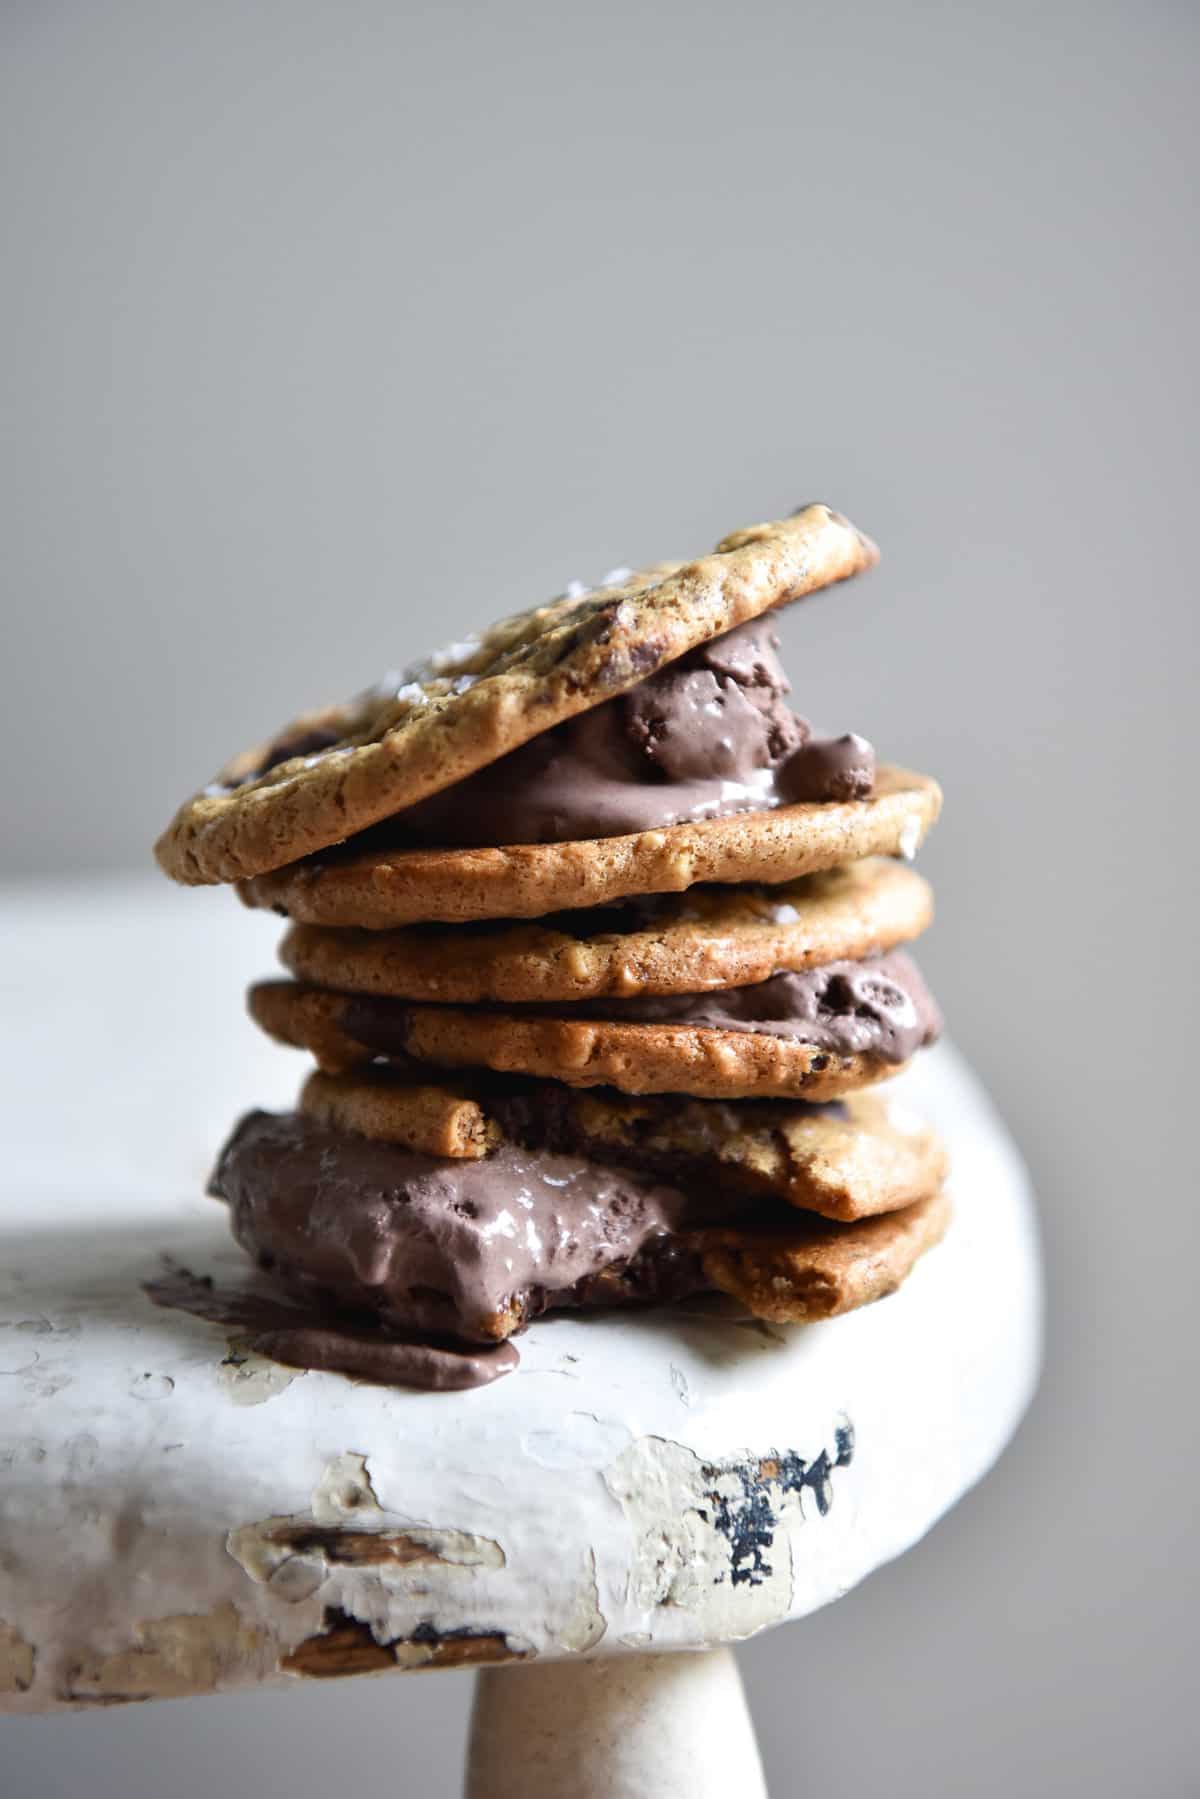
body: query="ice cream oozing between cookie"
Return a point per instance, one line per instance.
(709, 735)
(879, 1006)
(469, 1249)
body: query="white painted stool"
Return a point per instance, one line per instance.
(179, 1517)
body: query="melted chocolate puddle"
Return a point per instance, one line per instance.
(334, 1343)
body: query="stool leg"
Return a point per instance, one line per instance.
(627, 1727)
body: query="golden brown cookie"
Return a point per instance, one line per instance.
(639, 1058)
(581, 1052)
(378, 890)
(796, 1276)
(854, 1159)
(337, 771)
(432, 1120)
(308, 1018)
(708, 937)
(867, 1155)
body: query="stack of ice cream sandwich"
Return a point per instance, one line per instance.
(599, 950)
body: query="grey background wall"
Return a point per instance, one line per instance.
(329, 330)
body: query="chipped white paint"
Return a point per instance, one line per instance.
(712, 1543)
(586, 1623)
(344, 1491)
(675, 1563)
(640, 1483)
(251, 1379)
(345, 1544)
(164, 1658)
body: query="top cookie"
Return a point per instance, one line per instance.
(338, 771)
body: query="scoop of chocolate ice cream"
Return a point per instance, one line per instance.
(709, 735)
(719, 712)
